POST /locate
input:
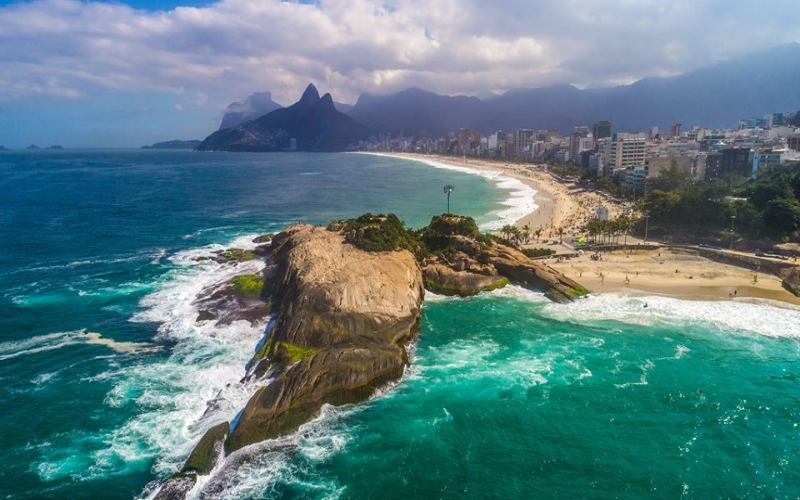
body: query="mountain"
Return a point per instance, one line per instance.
(312, 121)
(417, 112)
(715, 96)
(174, 145)
(256, 105)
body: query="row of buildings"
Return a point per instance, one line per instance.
(630, 158)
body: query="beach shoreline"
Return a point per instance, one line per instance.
(659, 271)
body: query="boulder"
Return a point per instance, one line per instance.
(523, 270)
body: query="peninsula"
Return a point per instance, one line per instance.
(346, 301)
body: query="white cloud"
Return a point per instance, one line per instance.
(67, 47)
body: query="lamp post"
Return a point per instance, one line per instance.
(733, 218)
(448, 189)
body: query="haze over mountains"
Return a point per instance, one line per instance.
(716, 96)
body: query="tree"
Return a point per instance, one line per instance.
(624, 224)
(782, 215)
(526, 233)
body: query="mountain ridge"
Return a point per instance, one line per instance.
(717, 95)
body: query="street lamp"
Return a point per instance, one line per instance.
(733, 218)
(448, 189)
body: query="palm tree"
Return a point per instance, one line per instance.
(526, 233)
(516, 234)
(538, 234)
(625, 224)
(561, 234)
(507, 230)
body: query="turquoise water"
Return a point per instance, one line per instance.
(106, 375)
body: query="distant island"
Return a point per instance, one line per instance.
(174, 145)
(3, 148)
(33, 147)
(56, 146)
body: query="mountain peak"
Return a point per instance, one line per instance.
(327, 102)
(310, 96)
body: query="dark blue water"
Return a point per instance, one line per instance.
(105, 372)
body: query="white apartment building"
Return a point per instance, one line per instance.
(627, 150)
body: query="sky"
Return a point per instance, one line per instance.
(128, 73)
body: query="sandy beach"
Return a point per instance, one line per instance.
(661, 271)
(559, 204)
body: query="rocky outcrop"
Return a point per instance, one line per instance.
(525, 271)
(464, 262)
(447, 281)
(791, 281)
(343, 317)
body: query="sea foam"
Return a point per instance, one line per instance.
(728, 316)
(173, 398)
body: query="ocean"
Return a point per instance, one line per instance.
(105, 374)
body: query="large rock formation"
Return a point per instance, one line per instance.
(313, 123)
(346, 300)
(343, 316)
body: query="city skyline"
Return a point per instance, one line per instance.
(136, 72)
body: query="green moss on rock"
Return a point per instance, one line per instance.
(205, 454)
(578, 291)
(238, 255)
(501, 283)
(248, 285)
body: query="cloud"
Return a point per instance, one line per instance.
(69, 48)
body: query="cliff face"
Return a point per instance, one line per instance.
(343, 316)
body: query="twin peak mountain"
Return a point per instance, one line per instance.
(310, 124)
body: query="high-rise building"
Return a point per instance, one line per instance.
(522, 140)
(740, 162)
(581, 140)
(602, 129)
(793, 142)
(676, 130)
(627, 150)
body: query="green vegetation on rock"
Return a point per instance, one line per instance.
(502, 282)
(238, 255)
(205, 454)
(291, 352)
(295, 352)
(537, 252)
(578, 291)
(379, 233)
(248, 285)
(449, 224)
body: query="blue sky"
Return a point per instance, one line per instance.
(88, 73)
